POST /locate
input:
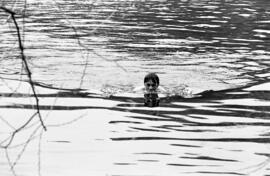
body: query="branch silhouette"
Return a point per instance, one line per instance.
(29, 74)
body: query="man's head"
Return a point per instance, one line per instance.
(151, 81)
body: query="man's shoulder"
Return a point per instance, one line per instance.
(139, 88)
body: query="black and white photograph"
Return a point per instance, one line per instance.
(134, 87)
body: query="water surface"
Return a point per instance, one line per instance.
(79, 50)
(88, 44)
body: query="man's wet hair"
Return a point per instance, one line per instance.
(152, 76)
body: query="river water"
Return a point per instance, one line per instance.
(107, 46)
(95, 44)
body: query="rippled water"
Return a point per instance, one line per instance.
(203, 44)
(100, 45)
(218, 133)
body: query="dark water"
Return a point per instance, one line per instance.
(109, 46)
(203, 44)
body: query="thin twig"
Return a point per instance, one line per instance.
(31, 137)
(92, 31)
(9, 162)
(39, 153)
(6, 122)
(19, 129)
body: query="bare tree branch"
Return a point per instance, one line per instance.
(18, 130)
(7, 123)
(28, 71)
(84, 46)
(10, 163)
(15, 162)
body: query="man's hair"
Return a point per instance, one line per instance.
(153, 77)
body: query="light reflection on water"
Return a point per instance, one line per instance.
(219, 133)
(204, 44)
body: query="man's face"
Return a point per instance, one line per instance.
(150, 85)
